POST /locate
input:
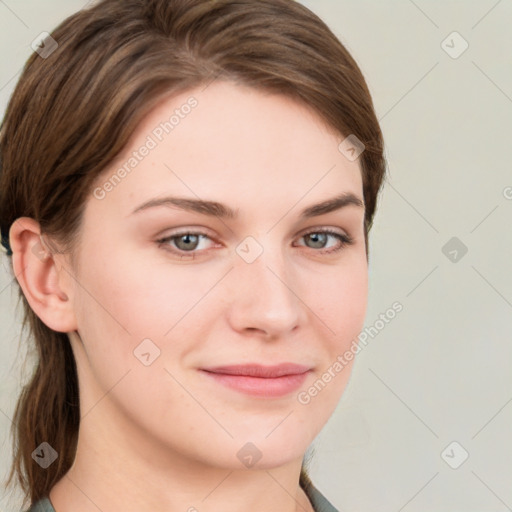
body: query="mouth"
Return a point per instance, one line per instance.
(258, 380)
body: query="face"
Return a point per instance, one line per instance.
(166, 290)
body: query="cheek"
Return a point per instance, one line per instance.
(339, 305)
(123, 301)
(132, 296)
(340, 299)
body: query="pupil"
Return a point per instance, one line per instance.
(319, 238)
(187, 240)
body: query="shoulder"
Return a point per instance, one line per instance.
(43, 505)
(318, 500)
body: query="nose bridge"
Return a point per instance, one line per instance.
(263, 294)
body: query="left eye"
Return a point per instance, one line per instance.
(320, 236)
(188, 242)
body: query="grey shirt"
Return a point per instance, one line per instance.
(318, 500)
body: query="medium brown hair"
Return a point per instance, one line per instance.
(73, 112)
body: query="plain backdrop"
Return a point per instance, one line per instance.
(425, 423)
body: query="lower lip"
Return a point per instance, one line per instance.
(258, 386)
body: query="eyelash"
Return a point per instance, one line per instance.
(344, 240)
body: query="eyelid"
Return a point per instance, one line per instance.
(196, 230)
(323, 227)
(200, 230)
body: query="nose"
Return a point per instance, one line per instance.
(264, 296)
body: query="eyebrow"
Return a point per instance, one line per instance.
(216, 209)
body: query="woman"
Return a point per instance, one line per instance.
(187, 188)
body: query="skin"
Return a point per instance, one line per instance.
(164, 437)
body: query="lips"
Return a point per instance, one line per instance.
(260, 381)
(256, 370)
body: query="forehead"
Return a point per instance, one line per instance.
(230, 141)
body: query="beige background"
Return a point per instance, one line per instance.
(440, 371)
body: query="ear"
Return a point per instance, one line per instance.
(42, 276)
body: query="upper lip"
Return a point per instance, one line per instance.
(257, 370)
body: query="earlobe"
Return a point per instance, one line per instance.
(41, 276)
